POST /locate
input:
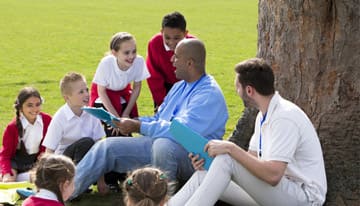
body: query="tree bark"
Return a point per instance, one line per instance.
(244, 128)
(314, 49)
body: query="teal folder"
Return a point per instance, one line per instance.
(191, 141)
(101, 114)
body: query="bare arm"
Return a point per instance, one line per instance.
(269, 171)
(134, 96)
(106, 100)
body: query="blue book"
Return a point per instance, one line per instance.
(101, 114)
(191, 141)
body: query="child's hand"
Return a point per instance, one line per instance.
(8, 178)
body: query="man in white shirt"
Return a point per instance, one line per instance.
(284, 164)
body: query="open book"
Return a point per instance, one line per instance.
(101, 114)
(191, 141)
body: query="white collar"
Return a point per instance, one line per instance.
(25, 123)
(68, 112)
(166, 47)
(46, 194)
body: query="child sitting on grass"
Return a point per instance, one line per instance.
(54, 179)
(145, 187)
(23, 136)
(72, 131)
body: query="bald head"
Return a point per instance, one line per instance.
(194, 49)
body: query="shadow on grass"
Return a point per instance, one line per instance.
(95, 199)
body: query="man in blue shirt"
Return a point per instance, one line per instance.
(196, 101)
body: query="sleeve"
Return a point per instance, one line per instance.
(98, 129)
(142, 72)
(156, 80)
(8, 148)
(285, 138)
(100, 76)
(54, 134)
(192, 115)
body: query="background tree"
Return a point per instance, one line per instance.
(314, 49)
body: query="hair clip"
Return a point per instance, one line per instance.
(129, 181)
(163, 176)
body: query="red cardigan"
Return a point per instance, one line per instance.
(32, 201)
(11, 140)
(160, 67)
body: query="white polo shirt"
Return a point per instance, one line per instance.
(289, 136)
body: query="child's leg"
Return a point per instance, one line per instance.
(78, 149)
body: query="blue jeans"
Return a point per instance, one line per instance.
(171, 157)
(124, 154)
(120, 154)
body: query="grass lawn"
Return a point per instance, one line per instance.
(41, 40)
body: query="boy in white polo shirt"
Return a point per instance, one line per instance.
(72, 131)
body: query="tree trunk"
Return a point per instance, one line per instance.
(244, 128)
(314, 49)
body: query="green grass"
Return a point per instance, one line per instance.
(41, 40)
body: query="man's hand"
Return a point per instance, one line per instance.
(196, 163)
(216, 147)
(127, 125)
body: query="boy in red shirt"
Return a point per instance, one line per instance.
(160, 50)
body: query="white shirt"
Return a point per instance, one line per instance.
(66, 128)
(33, 134)
(110, 76)
(289, 136)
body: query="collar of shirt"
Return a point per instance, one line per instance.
(46, 194)
(271, 108)
(25, 123)
(69, 114)
(166, 47)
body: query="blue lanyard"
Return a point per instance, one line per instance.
(260, 141)
(180, 102)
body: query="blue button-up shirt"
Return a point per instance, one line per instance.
(200, 105)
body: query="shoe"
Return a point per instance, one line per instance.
(25, 193)
(114, 188)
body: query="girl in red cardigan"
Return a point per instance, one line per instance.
(23, 136)
(54, 180)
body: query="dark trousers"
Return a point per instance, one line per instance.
(78, 149)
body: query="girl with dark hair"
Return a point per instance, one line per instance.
(23, 136)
